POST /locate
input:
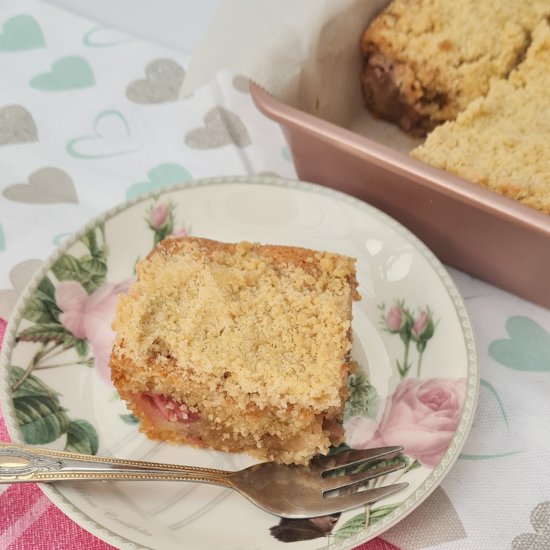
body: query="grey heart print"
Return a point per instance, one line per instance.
(540, 539)
(163, 83)
(221, 127)
(48, 185)
(16, 126)
(20, 275)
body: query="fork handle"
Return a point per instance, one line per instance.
(23, 464)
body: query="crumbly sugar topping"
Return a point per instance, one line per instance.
(261, 324)
(501, 140)
(449, 47)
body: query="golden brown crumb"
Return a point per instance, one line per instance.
(247, 344)
(426, 60)
(502, 141)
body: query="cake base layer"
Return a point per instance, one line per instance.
(289, 435)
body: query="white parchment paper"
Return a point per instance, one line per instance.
(305, 53)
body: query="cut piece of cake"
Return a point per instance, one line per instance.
(237, 347)
(426, 60)
(502, 141)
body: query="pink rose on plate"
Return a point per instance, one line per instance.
(159, 215)
(420, 324)
(360, 431)
(179, 232)
(421, 415)
(394, 319)
(90, 316)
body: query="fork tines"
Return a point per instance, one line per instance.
(339, 482)
(354, 457)
(359, 498)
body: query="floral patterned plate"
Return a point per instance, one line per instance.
(417, 386)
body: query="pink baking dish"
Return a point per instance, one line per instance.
(466, 226)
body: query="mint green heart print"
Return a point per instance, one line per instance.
(527, 349)
(100, 37)
(111, 137)
(21, 33)
(495, 418)
(159, 176)
(68, 73)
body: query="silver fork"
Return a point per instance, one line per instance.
(322, 487)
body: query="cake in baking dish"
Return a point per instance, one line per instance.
(502, 141)
(426, 60)
(237, 347)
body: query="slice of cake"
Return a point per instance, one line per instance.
(502, 141)
(237, 347)
(426, 60)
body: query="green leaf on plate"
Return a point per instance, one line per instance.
(41, 306)
(37, 409)
(82, 437)
(67, 268)
(41, 419)
(377, 514)
(54, 332)
(81, 347)
(89, 240)
(47, 332)
(96, 270)
(47, 289)
(129, 419)
(36, 309)
(399, 458)
(340, 449)
(31, 386)
(363, 398)
(357, 523)
(90, 272)
(351, 527)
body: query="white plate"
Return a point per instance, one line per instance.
(411, 314)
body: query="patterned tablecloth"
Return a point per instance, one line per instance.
(89, 117)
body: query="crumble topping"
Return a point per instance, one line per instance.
(267, 325)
